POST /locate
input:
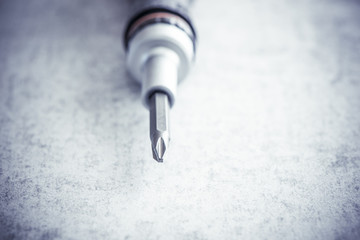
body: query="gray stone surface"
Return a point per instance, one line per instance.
(265, 132)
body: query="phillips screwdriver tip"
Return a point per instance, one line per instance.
(158, 149)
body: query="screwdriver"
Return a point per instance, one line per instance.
(160, 43)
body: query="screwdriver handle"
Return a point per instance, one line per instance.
(160, 43)
(140, 8)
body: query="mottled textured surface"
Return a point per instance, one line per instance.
(265, 132)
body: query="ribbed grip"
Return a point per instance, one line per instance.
(140, 8)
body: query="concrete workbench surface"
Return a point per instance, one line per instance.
(265, 131)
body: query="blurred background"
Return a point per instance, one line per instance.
(265, 131)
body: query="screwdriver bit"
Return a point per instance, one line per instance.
(159, 124)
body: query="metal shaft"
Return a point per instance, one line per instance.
(159, 124)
